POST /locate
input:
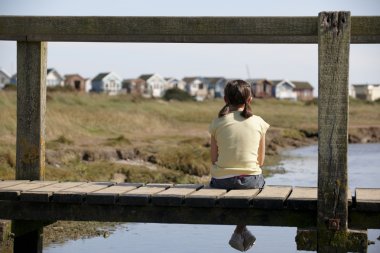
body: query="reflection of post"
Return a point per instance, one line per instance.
(31, 107)
(333, 51)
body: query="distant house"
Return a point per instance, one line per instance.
(76, 82)
(304, 90)
(172, 82)
(5, 78)
(261, 87)
(284, 89)
(154, 85)
(134, 86)
(88, 84)
(370, 92)
(108, 82)
(216, 86)
(13, 79)
(53, 78)
(196, 87)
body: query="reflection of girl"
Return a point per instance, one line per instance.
(238, 150)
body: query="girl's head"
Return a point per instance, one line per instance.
(237, 93)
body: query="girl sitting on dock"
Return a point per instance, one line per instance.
(238, 150)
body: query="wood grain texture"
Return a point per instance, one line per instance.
(8, 183)
(141, 196)
(31, 109)
(111, 194)
(43, 194)
(333, 48)
(178, 29)
(272, 197)
(13, 192)
(172, 196)
(238, 198)
(367, 199)
(77, 194)
(303, 198)
(204, 197)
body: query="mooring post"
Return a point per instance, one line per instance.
(333, 69)
(30, 144)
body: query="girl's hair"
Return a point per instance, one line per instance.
(237, 93)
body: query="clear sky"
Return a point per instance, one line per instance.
(129, 60)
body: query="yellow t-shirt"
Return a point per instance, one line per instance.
(238, 141)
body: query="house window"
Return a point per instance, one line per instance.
(201, 85)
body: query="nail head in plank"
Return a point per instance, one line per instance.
(78, 193)
(303, 198)
(272, 197)
(43, 194)
(140, 196)
(238, 198)
(172, 196)
(13, 192)
(368, 199)
(204, 197)
(111, 194)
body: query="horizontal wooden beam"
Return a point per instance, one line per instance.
(34, 211)
(178, 29)
(156, 214)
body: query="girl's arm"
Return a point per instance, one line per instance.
(261, 151)
(214, 150)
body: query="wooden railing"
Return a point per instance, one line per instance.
(333, 31)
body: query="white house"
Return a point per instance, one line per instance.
(108, 82)
(172, 82)
(53, 78)
(87, 85)
(5, 78)
(216, 86)
(369, 92)
(196, 87)
(284, 89)
(155, 85)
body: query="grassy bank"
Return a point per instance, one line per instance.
(98, 137)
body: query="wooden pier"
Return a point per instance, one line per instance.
(331, 217)
(181, 203)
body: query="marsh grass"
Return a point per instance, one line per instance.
(174, 133)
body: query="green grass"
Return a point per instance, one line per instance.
(172, 133)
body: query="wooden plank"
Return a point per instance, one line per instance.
(367, 199)
(31, 109)
(111, 194)
(272, 197)
(8, 183)
(333, 47)
(44, 194)
(204, 197)
(303, 198)
(139, 197)
(178, 29)
(238, 198)
(156, 214)
(161, 29)
(172, 196)
(194, 186)
(13, 192)
(77, 194)
(164, 185)
(333, 68)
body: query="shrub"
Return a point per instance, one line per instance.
(177, 94)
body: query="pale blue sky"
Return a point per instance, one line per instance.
(293, 62)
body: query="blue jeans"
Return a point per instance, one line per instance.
(239, 182)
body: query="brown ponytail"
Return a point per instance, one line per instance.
(237, 93)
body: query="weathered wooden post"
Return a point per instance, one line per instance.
(333, 50)
(30, 149)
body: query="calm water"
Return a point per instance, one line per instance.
(301, 167)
